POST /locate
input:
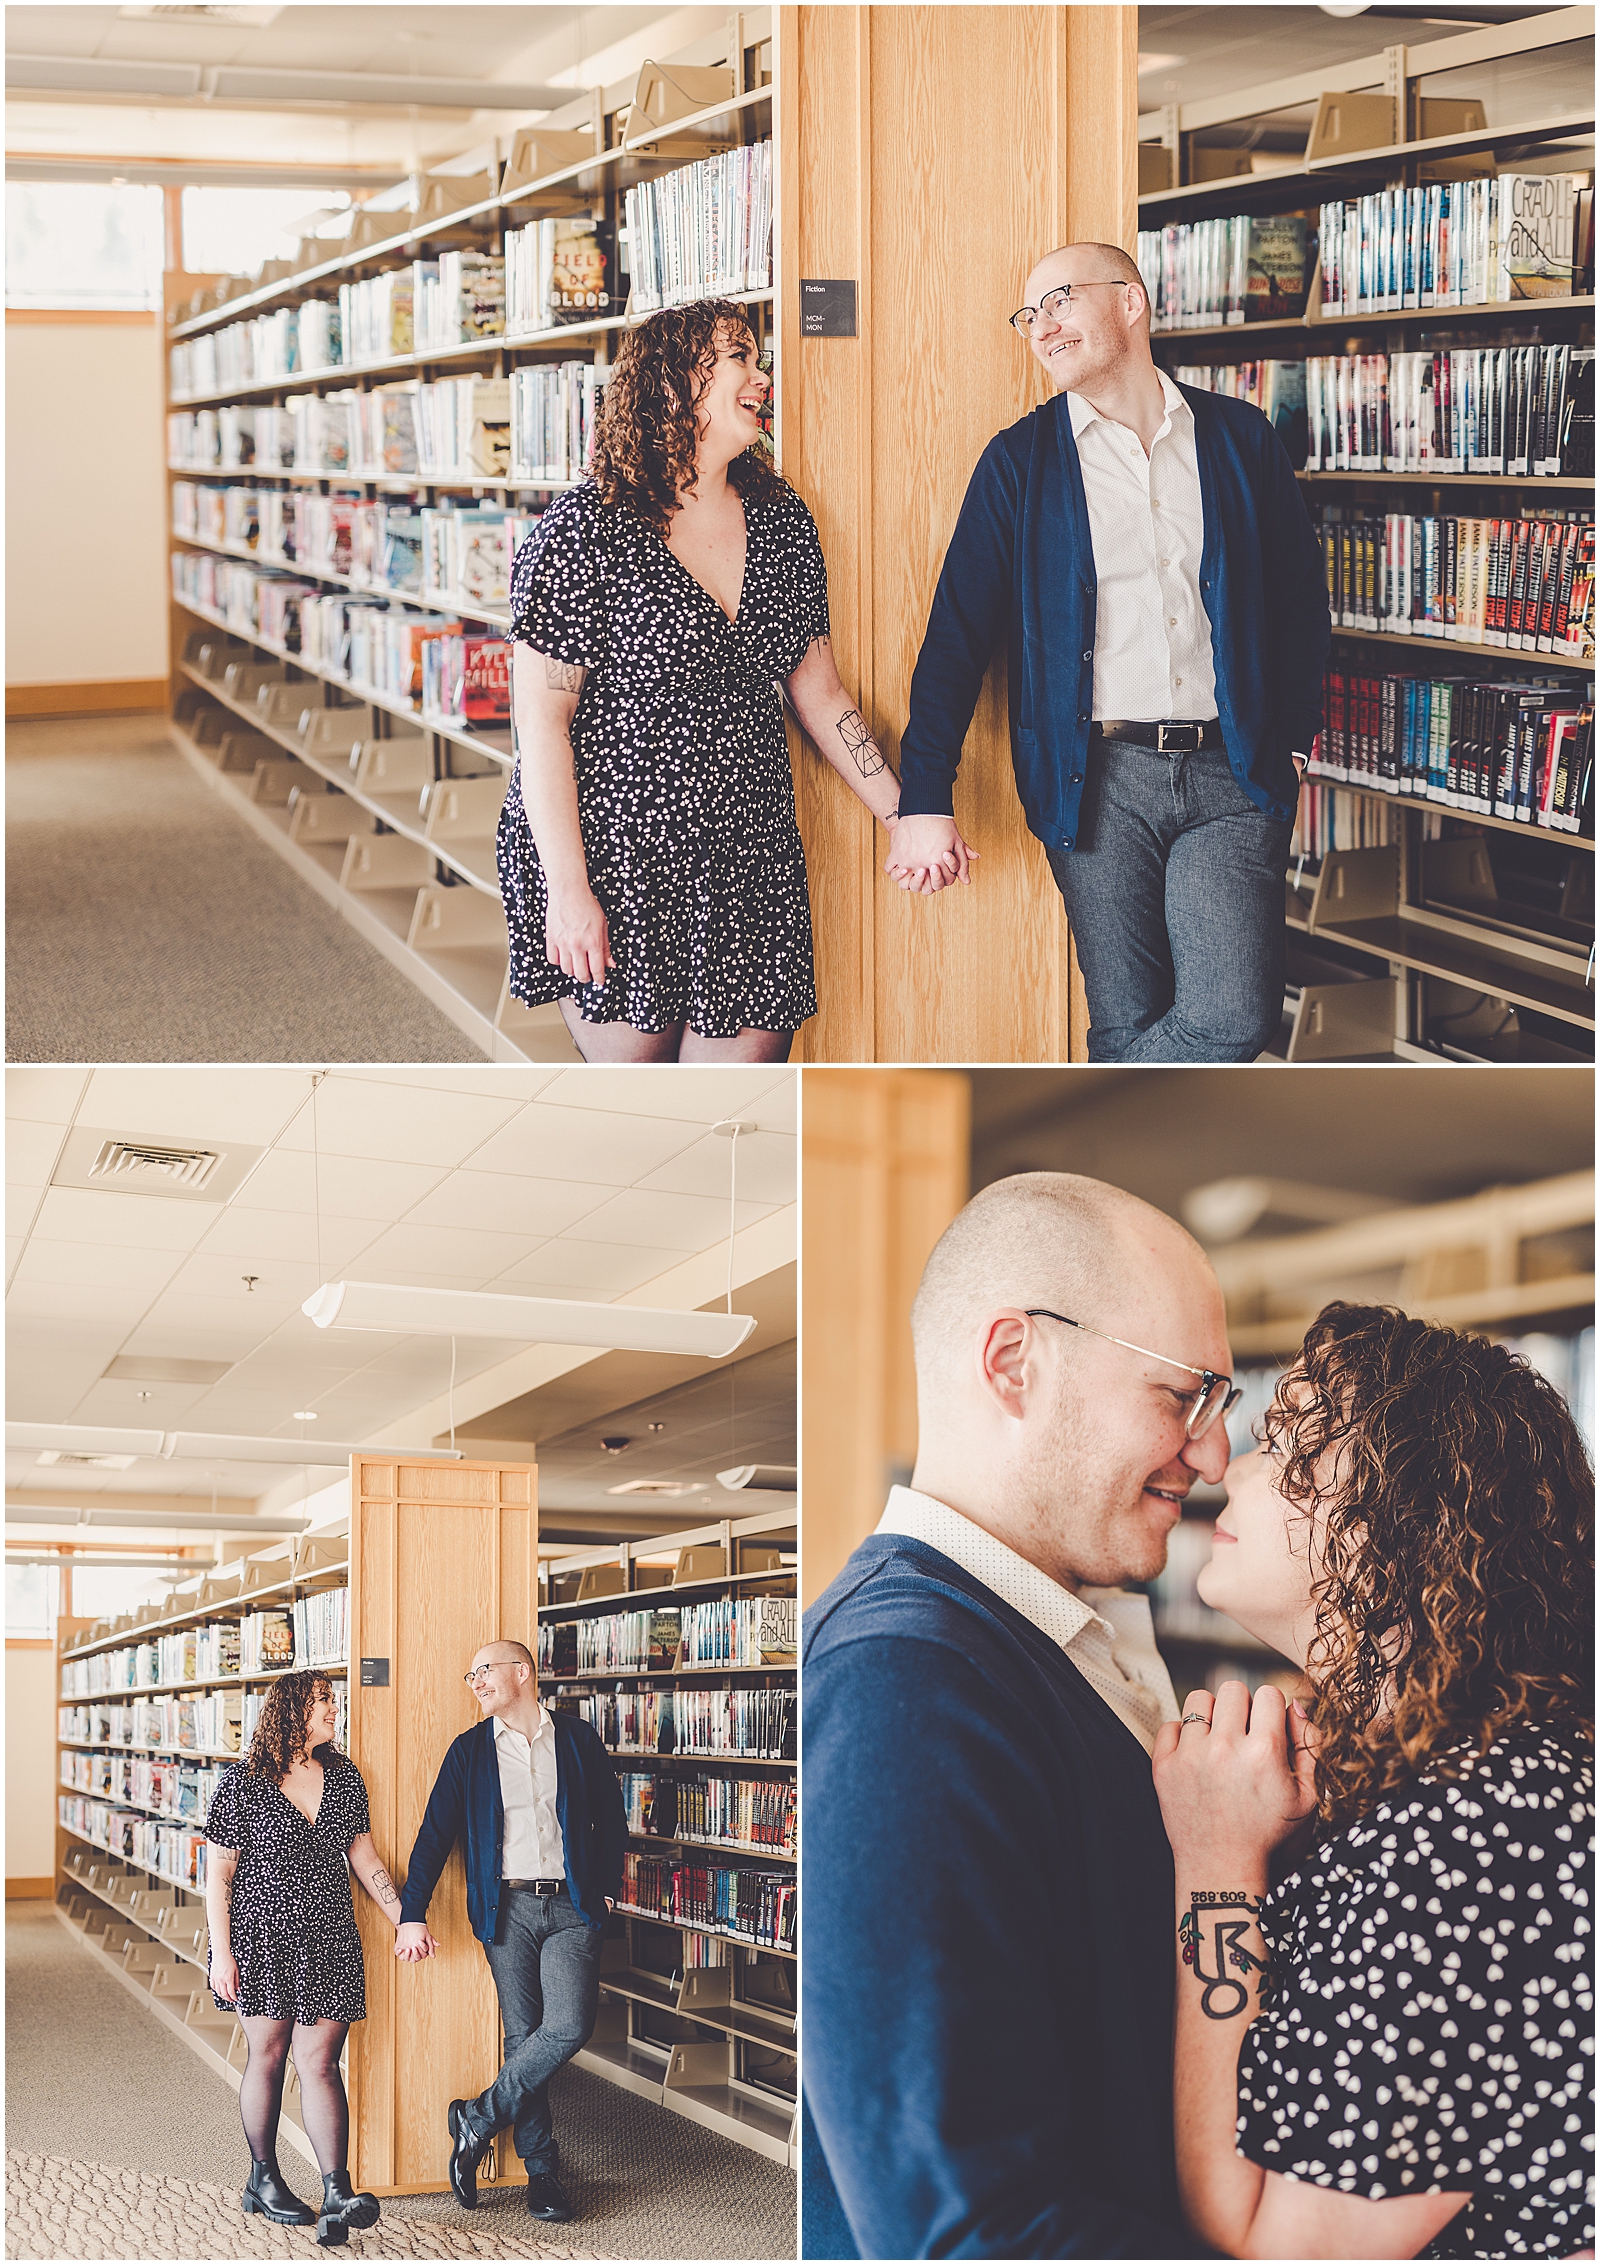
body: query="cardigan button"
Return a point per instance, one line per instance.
(1066, 841)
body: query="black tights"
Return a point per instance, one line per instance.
(323, 2106)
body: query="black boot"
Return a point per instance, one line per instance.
(267, 2193)
(343, 2210)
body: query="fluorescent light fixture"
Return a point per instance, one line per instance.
(403, 1311)
(764, 1478)
(201, 1446)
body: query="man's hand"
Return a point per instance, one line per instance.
(412, 1941)
(927, 853)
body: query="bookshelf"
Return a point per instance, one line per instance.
(130, 1867)
(1419, 927)
(412, 865)
(697, 2012)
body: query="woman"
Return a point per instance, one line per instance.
(285, 1953)
(652, 871)
(1393, 2034)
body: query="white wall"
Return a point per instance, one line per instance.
(86, 550)
(30, 1763)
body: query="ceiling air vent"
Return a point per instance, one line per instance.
(655, 1486)
(61, 1459)
(141, 1161)
(259, 17)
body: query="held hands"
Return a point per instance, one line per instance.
(412, 1941)
(224, 1976)
(1239, 1782)
(927, 853)
(576, 938)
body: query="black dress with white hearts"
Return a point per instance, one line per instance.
(685, 798)
(1433, 2003)
(294, 1928)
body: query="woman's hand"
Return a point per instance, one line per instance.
(927, 853)
(412, 1941)
(1231, 1790)
(576, 938)
(224, 1976)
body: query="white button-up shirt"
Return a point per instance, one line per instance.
(1152, 634)
(530, 1845)
(1107, 1634)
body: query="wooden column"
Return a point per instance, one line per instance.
(443, 1559)
(886, 1160)
(933, 154)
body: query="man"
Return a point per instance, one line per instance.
(534, 1800)
(1147, 549)
(988, 1980)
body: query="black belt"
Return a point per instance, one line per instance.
(1164, 738)
(539, 1887)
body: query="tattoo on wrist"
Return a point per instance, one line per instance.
(563, 676)
(863, 749)
(1211, 1945)
(383, 1888)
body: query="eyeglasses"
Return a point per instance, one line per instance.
(1217, 1394)
(1055, 304)
(475, 1675)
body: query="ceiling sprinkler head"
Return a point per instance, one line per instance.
(250, 1280)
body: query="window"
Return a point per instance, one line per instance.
(100, 1592)
(83, 244)
(32, 1601)
(231, 231)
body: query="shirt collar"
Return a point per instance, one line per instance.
(1084, 413)
(1053, 1610)
(505, 1730)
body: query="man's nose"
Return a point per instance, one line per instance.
(1208, 1455)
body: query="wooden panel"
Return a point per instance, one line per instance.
(934, 154)
(886, 1161)
(442, 1559)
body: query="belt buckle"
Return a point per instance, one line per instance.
(1176, 745)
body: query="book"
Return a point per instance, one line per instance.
(702, 232)
(1535, 216)
(1275, 276)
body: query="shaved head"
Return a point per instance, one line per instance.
(1112, 261)
(1040, 1238)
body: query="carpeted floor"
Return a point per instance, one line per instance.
(95, 2083)
(146, 923)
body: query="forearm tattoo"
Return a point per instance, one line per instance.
(862, 748)
(1209, 1932)
(383, 1888)
(563, 676)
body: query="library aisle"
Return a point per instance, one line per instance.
(354, 1373)
(251, 961)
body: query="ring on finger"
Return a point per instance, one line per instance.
(1205, 1718)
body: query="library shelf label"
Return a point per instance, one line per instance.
(827, 307)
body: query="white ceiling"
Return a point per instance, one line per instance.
(585, 1183)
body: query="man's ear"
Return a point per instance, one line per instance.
(1004, 1362)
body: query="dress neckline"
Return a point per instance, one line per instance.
(732, 619)
(295, 1806)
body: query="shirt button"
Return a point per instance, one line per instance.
(1177, 680)
(1172, 621)
(1166, 562)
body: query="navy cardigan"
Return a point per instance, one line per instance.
(1021, 561)
(465, 1805)
(987, 1988)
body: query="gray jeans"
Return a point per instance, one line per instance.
(1175, 895)
(546, 1968)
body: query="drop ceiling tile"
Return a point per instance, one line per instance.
(406, 1126)
(167, 1407)
(44, 1096)
(337, 1187)
(255, 1235)
(569, 1268)
(111, 1216)
(172, 1101)
(15, 1246)
(492, 1083)
(104, 1315)
(191, 1327)
(31, 1149)
(698, 1094)
(22, 1208)
(507, 1203)
(96, 1266)
(668, 1222)
(767, 1167)
(588, 1145)
(462, 1253)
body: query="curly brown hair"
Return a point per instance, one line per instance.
(646, 434)
(1453, 1569)
(280, 1735)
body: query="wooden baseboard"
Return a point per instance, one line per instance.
(122, 695)
(27, 1890)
